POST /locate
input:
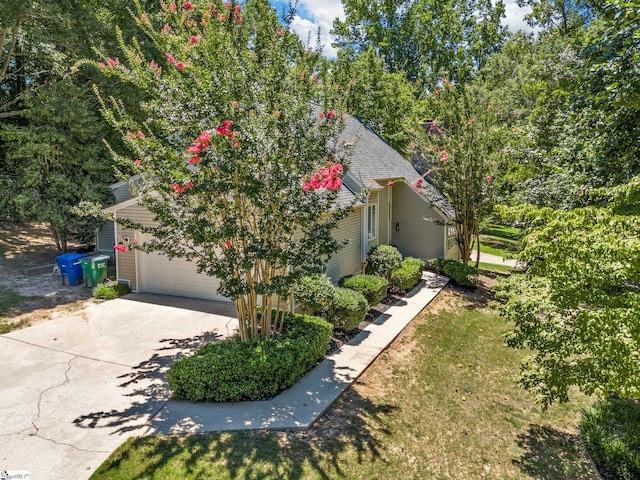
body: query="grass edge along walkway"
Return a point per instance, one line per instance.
(438, 403)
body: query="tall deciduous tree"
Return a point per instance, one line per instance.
(577, 307)
(56, 160)
(238, 167)
(423, 38)
(385, 102)
(460, 149)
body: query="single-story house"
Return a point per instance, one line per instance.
(393, 213)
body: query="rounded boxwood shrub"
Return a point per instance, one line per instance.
(233, 370)
(316, 293)
(373, 288)
(437, 265)
(408, 275)
(382, 260)
(461, 274)
(610, 430)
(349, 310)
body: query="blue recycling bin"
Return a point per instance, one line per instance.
(70, 268)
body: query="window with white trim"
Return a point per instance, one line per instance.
(372, 222)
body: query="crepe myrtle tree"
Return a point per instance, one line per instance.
(458, 152)
(239, 168)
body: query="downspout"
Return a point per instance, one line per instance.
(115, 239)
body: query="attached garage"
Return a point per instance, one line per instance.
(159, 274)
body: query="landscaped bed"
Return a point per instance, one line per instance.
(440, 402)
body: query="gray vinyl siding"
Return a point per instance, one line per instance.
(127, 260)
(383, 217)
(416, 237)
(347, 260)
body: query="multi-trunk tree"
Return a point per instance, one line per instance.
(238, 167)
(458, 151)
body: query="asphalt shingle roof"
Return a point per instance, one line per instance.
(374, 161)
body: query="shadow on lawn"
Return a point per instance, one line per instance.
(355, 423)
(551, 454)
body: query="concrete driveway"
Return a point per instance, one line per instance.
(73, 389)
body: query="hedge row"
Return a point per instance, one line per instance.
(232, 370)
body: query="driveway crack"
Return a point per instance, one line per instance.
(34, 423)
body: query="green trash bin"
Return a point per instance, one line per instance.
(94, 269)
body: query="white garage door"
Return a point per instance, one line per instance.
(158, 274)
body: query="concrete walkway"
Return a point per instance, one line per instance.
(73, 389)
(495, 259)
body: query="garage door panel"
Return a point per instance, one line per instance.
(159, 274)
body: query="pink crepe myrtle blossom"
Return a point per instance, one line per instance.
(433, 126)
(137, 162)
(187, 5)
(172, 6)
(180, 65)
(420, 182)
(225, 128)
(327, 177)
(145, 19)
(331, 114)
(238, 20)
(171, 58)
(194, 160)
(227, 243)
(155, 67)
(138, 134)
(194, 39)
(489, 178)
(444, 156)
(390, 183)
(166, 28)
(176, 187)
(113, 62)
(121, 247)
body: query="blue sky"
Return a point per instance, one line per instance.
(312, 14)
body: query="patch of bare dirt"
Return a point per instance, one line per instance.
(27, 260)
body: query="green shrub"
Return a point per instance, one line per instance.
(122, 289)
(382, 260)
(233, 370)
(461, 274)
(408, 275)
(104, 292)
(373, 288)
(437, 265)
(610, 430)
(316, 293)
(109, 291)
(349, 310)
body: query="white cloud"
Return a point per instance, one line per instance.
(312, 14)
(515, 16)
(317, 13)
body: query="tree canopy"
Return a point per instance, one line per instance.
(237, 165)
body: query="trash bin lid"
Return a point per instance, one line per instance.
(95, 259)
(70, 257)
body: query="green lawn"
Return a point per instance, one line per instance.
(500, 240)
(440, 403)
(9, 302)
